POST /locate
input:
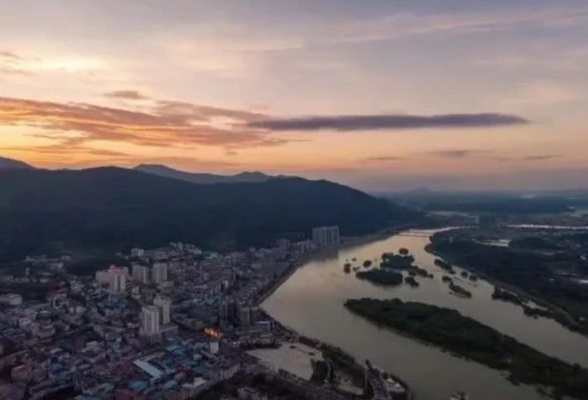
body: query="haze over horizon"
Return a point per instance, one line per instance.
(380, 96)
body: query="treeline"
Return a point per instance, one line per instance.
(536, 274)
(381, 277)
(470, 339)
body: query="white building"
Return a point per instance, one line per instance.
(325, 235)
(159, 272)
(141, 274)
(137, 252)
(150, 321)
(214, 347)
(117, 279)
(164, 306)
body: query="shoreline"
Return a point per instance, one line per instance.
(350, 243)
(346, 242)
(499, 284)
(506, 374)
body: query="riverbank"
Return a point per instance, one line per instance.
(558, 314)
(451, 331)
(325, 251)
(276, 284)
(346, 361)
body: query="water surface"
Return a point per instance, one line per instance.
(311, 302)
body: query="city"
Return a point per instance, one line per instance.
(176, 323)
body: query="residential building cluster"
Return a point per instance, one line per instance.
(166, 323)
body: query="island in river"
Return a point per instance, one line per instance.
(381, 277)
(473, 340)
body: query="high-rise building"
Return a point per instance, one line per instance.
(150, 318)
(254, 315)
(137, 252)
(244, 316)
(325, 235)
(224, 310)
(117, 279)
(164, 305)
(159, 272)
(141, 274)
(102, 277)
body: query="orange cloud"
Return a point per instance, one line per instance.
(59, 156)
(165, 124)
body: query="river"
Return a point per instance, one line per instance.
(311, 302)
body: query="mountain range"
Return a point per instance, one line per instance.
(204, 178)
(167, 172)
(112, 209)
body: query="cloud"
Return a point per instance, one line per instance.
(126, 95)
(541, 157)
(9, 55)
(388, 122)
(205, 113)
(385, 158)
(459, 153)
(10, 63)
(73, 155)
(167, 124)
(401, 25)
(59, 150)
(17, 63)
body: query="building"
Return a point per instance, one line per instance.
(159, 272)
(164, 306)
(117, 279)
(150, 325)
(244, 316)
(102, 277)
(254, 315)
(11, 299)
(325, 235)
(141, 274)
(283, 243)
(137, 252)
(224, 310)
(213, 346)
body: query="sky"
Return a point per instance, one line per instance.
(382, 95)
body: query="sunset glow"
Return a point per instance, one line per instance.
(385, 96)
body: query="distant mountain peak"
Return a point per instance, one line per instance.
(254, 174)
(8, 163)
(201, 177)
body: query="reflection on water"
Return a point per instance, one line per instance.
(330, 254)
(311, 302)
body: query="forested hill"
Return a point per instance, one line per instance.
(49, 211)
(8, 163)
